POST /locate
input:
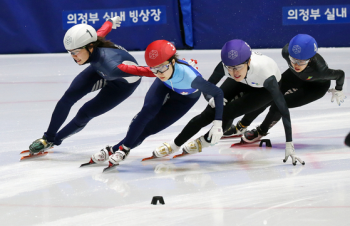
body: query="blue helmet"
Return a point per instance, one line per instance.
(302, 47)
(235, 52)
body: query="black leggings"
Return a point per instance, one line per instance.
(301, 93)
(252, 100)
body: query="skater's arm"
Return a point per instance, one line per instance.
(215, 78)
(136, 70)
(325, 73)
(110, 24)
(105, 29)
(340, 77)
(212, 90)
(272, 86)
(217, 74)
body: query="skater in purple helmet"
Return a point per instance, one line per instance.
(255, 75)
(307, 80)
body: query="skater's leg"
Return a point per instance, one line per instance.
(110, 96)
(310, 92)
(250, 117)
(167, 116)
(241, 126)
(157, 95)
(231, 89)
(79, 87)
(252, 100)
(195, 124)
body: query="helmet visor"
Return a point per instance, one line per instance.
(235, 68)
(298, 62)
(160, 69)
(75, 51)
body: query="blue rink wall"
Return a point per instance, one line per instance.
(38, 26)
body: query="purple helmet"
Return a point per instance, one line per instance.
(235, 52)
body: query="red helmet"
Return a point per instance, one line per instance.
(158, 52)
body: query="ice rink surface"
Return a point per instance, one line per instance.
(220, 186)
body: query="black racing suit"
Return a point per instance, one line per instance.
(303, 87)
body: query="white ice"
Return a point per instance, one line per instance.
(220, 186)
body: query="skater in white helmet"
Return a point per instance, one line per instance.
(87, 46)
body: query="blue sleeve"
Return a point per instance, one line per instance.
(272, 86)
(215, 77)
(209, 88)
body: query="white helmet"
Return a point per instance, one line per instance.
(78, 36)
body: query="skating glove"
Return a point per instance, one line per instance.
(290, 151)
(212, 102)
(192, 63)
(338, 95)
(116, 22)
(216, 132)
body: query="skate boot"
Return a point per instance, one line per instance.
(194, 146)
(99, 157)
(235, 131)
(117, 157)
(40, 145)
(164, 150)
(253, 135)
(103, 155)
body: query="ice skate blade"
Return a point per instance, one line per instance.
(27, 151)
(180, 155)
(33, 155)
(108, 168)
(149, 158)
(230, 137)
(88, 163)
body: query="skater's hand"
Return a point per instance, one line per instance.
(116, 22)
(338, 95)
(290, 151)
(212, 102)
(192, 63)
(216, 132)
